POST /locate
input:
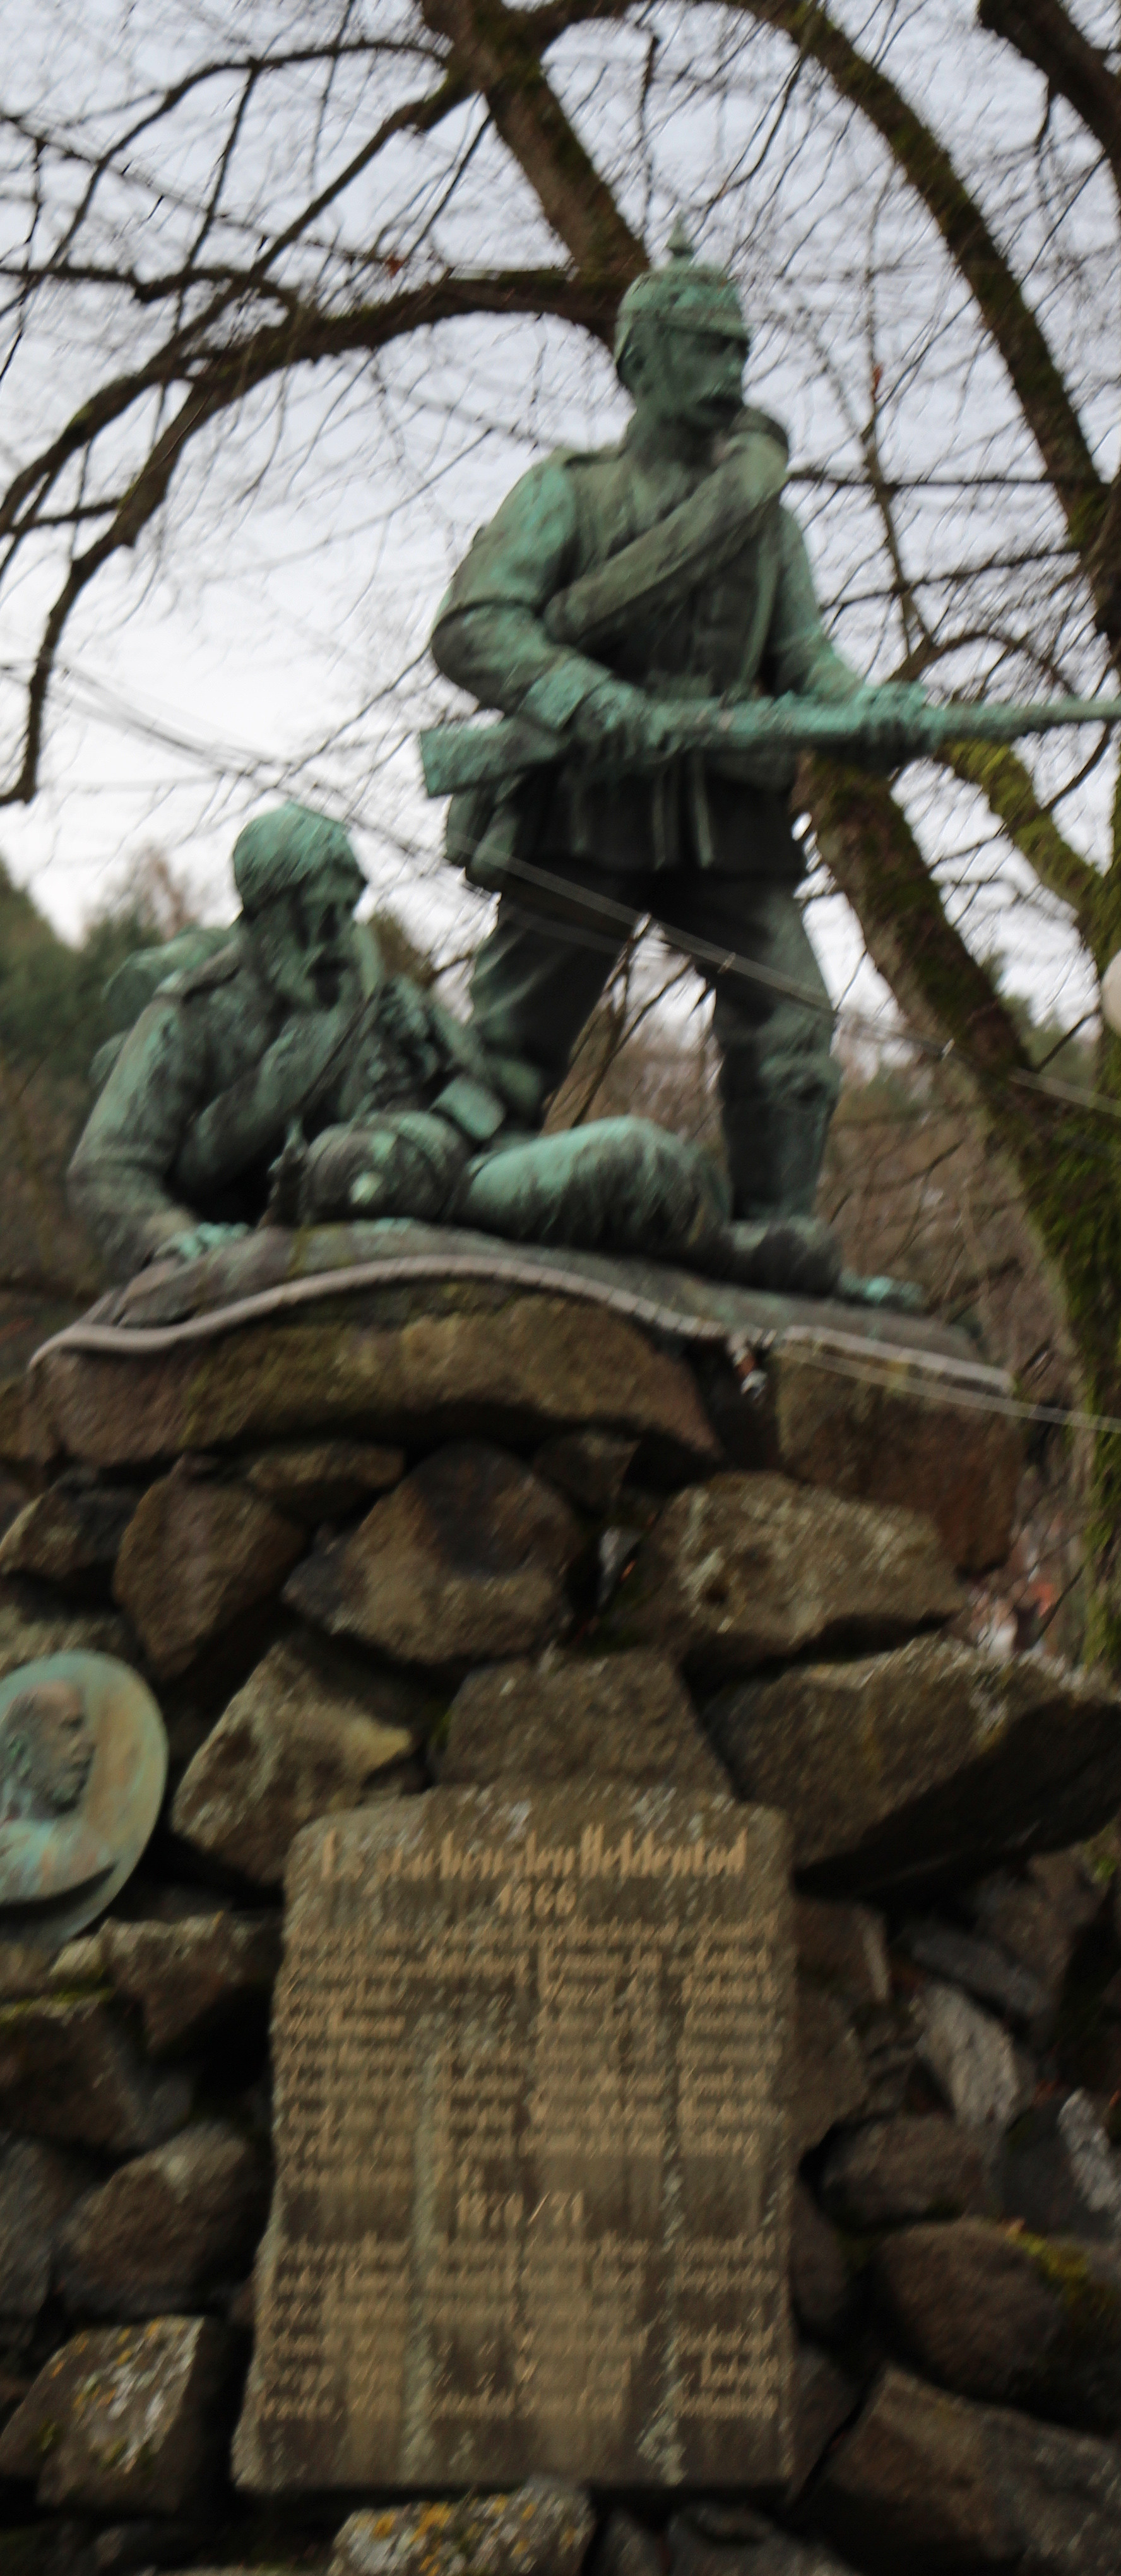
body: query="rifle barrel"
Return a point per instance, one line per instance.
(460, 756)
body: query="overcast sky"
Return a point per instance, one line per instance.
(273, 637)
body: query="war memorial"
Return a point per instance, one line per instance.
(555, 2013)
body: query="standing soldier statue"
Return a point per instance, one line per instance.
(645, 620)
(609, 588)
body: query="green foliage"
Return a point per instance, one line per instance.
(52, 1021)
(52, 1018)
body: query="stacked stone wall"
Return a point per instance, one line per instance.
(472, 1546)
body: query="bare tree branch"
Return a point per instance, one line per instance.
(302, 339)
(1044, 397)
(1044, 33)
(499, 51)
(1008, 789)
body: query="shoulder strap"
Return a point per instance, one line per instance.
(689, 545)
(205, 978)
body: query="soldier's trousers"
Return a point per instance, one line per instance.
(547, 960)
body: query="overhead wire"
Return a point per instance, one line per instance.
(950, 1391)
(730, 961)
(711, 954)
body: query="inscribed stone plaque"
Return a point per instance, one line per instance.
(530, 2210)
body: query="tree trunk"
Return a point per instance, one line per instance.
(1066, 1161)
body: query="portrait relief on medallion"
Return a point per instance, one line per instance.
(46, 1753)
(83, 1765)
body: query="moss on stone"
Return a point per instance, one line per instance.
(1100, 1856)
(1091, 2306)
(59, 2000)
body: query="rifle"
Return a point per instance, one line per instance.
(459, 755)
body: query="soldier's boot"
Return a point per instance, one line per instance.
(774, 1149)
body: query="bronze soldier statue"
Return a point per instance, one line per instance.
(286, 1076)
(608, 588)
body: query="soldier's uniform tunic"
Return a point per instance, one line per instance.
(180, 1095)
(695, 844)
(197, 1103)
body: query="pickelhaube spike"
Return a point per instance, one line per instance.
(685, 294)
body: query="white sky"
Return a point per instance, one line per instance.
(275, 639)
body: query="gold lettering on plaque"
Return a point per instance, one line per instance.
(531, 2198)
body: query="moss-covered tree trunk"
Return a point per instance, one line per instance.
(1065, 1159)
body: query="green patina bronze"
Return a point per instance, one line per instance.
(281, 1076)
(284, 1077)
(277, 1074)
(83, 1764)
(610, 589)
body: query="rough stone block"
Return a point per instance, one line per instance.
(467, 1558)
(830, 2082)
(1072, 1880)
(590, 1467)
(892, 2172)
(844, 1948)
(70, 1535)
(522, 1368)
(923, 1764)
(122, 2420)
(1023, 2320)
(626, 2548)
(166, 2230)
(1036, 1917)
(69, 2072)
(53, 2545)
(981, 1968)
(31, 1627)
(311, 1732)
(747, 1569)
(125, 2548)
(26, 1968)
(542, 2529)
(190, 1976)
(1060, 2173)
(711, 2539)
(890, 2035)
(820, 2280)
(564, 1716)
(563, 2016)
(973, 2061)
(38, 2185)
(197, 1553)
(896, 1436)
(28, 1445)
(825, 2397)
(321, 1480)
(929, 2482)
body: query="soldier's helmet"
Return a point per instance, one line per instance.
(290, 847)
(684, 295)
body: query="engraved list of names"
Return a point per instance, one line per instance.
(531, 2198)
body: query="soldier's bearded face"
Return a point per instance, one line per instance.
(696, 378)
(305, 941)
